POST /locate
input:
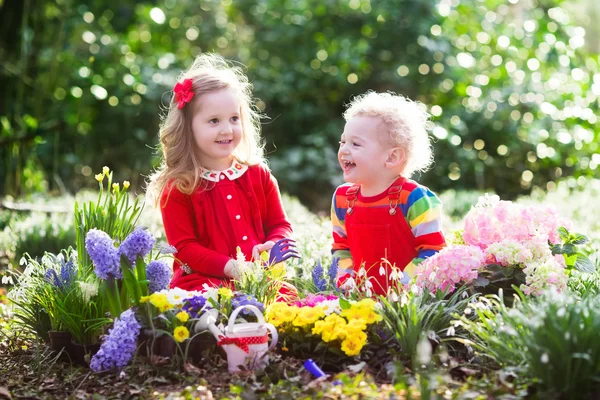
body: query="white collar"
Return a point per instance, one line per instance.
(235, 171)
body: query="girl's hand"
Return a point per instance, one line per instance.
(233, 269)
(259, 248)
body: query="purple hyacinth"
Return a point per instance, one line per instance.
(242, 299)
(195, 306)
(105, 256)
(159, 276)
(333, 269)
(138, 243)
(120, 344)
(68, 271)
(166, 248)
(317, 277)
(64, 280)
(52, 277)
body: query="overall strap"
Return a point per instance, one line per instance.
(351, 195)
(394, 196)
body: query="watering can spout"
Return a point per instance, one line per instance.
(207, 321)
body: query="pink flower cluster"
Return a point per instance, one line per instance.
(504, 233)
(451, 266)
(493, 221)
(313, 300)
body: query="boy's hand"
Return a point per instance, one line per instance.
(345, 267)
(259, 248)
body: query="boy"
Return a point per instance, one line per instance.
(380, 214)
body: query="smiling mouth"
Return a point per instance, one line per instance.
(348, 165)
(224, 141)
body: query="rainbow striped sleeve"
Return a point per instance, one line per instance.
(424, 215)
(340, 247)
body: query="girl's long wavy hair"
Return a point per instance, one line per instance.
(180, 165)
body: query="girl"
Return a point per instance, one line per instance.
(214, 189)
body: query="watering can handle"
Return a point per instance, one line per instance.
(234, 314)
(274, 335)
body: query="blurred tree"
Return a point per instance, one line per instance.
(513, 91)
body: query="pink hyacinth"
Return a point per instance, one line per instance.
(450, 267)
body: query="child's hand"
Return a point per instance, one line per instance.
(259, 248)
(345, 267)
(234, 269)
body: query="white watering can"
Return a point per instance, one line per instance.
(245, 344)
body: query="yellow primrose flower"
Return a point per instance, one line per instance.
(330, 328)
(105, 170)
(144, 299)
(319, 327)
(183, 316)
(275, 320)
(181, 333)
(352, 313)
(352, 345)
(356, 325)
(371, 316)
(160, 301)
(99, 177)
(339, 332)
(308, 316)
(225, 292)
(126, 184)
(289, 313)
(365, 303)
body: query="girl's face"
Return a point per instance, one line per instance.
(217, 128)
(362, 155)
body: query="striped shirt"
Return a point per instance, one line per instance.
(421, 208)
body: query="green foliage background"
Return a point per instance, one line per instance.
(512, 86)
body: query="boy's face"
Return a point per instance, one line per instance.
(362, 154)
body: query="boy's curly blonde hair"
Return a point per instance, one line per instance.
(180, 163)
(407, 123)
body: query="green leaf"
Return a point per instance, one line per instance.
(578, 238)
(563, 233)
(569, 249)
(584, 264)
(344, 304)
(556, 249)
(480, 282)
(570, 259)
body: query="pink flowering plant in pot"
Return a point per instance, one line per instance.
(506, 245)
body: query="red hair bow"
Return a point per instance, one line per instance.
(183, 93)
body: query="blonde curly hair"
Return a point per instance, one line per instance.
(180, 164)
(407, 123)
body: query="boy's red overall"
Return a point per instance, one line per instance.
(378, 233)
